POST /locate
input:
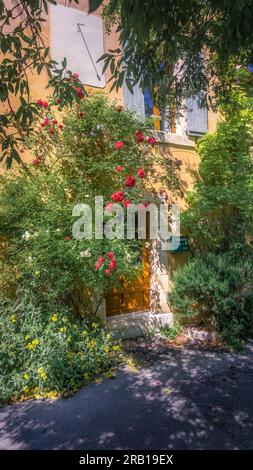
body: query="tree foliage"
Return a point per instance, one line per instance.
(180, 47)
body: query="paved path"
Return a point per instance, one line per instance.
(183, 400)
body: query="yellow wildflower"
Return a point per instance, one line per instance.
(26, 376)
(63, 329)
(27, 337)
(116, 348)
(26, 389)
(32, 345)
(37, 273)
(54, 317)
(106, 349)
(42, 373)
(13, 319)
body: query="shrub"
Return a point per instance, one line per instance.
(219, 290)
(45, 352)
(220, 207)
(171, 332)
(93, 154)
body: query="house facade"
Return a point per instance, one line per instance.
(70, 32)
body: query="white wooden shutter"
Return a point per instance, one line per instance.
(134, 102)
(197, 123)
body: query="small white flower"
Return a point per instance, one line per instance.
(30, 259)
(26, 235)
(85, 254)
(58, 230)
(36, 234)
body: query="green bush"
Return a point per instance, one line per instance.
(218, 290)
(45, 352)
(171, 332)
(220, 207)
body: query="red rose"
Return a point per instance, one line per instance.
(45, 104)
(40, 102)
(67, 239)
(112, 264)
(130, 181)
(46, 122)
(36, 161)
(119, 168)
(127, 203)
(60, 126)
(81, 114)
(109, 207)
(139, 136)
(141, 173)
(99, 263)
(110, 255)
(118, 196)
(119, 145)
(55, 121)
(58, 100)
(151, 140)
(107, 272)
(119, 108)
(51, 130)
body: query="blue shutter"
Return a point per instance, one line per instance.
(134, 102)
(197, 123)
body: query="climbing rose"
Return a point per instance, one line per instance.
(139, 136)
(36, 161)
(99, 263)
(81, 114)
(127, 203)
(151, 140)
(51, 130)
(141, 173)
(119, 145)
(118, 196)
(58, 100)
(110, 255)
(79, 92)
(43, 104)
(108, 272)
(112, 264)
(109, 207)
(67, 239)
(119, 168)
(55, 121)
(141, 206)
(130, 181)
(46, 122)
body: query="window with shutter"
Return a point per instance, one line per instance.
(197, 123)
(134, 101)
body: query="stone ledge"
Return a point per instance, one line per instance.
(134, 324)
(173, 139)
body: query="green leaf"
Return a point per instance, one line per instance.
(94, 4)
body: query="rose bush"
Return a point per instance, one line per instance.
(95, 150)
